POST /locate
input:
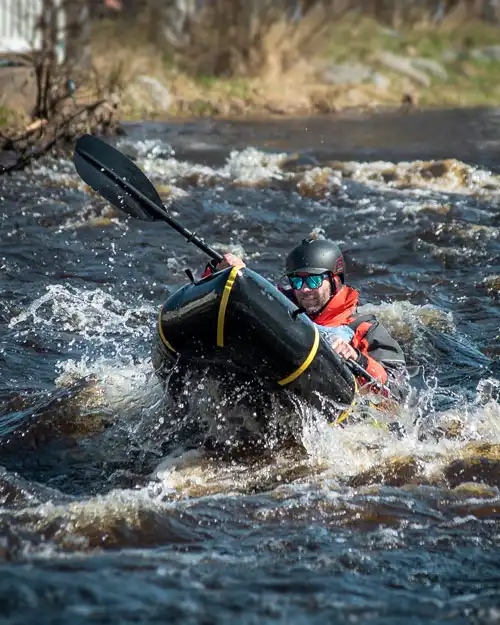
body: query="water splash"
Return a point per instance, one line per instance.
(94, 314)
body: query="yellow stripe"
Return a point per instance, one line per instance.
(162, 336)
(293, 376)
(343, 416)
(223, 304)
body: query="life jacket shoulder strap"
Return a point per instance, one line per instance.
(356, 321)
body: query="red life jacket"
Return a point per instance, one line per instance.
(341, 310)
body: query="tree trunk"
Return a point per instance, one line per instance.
(77, 34)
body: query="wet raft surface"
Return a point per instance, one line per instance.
(106, 517)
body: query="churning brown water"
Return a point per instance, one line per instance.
(106, 518)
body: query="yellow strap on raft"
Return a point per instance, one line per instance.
(223, 304)
(343, 416)
(293, 376)
(162, 335)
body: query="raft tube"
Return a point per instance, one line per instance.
(237, 321)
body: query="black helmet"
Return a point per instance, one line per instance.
(316, 256)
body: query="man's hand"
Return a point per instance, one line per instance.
(344, 349)
(229, 260)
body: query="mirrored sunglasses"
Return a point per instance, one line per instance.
(312, 281)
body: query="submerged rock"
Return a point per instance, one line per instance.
(492, 284)
(299, 162)
(474, 469)
(394, 472)
(319, 183)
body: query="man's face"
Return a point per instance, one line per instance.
(310, 299)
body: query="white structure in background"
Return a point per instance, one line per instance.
(19, 33)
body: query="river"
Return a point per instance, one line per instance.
(104, 520)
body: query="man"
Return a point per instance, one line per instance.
(315, 270)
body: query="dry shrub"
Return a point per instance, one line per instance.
(59, 81)
(59, 115)
(264, 38)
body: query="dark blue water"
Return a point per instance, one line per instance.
(106, 518)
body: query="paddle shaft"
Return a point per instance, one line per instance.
(190, 236)
(355, 368)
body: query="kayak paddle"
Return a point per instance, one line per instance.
(120, 181)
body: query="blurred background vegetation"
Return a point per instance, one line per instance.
(231, 57)
(276, 57)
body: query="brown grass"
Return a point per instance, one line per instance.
(233, 60)
(273, 86)
(235, 38)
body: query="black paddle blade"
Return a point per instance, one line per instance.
(114, 176)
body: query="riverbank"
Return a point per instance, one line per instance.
(364, 65)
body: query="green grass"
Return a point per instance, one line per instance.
(6, 116)
(362, 38)
(235, 87)
(470, 82)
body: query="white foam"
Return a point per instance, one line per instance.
(93, 313)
